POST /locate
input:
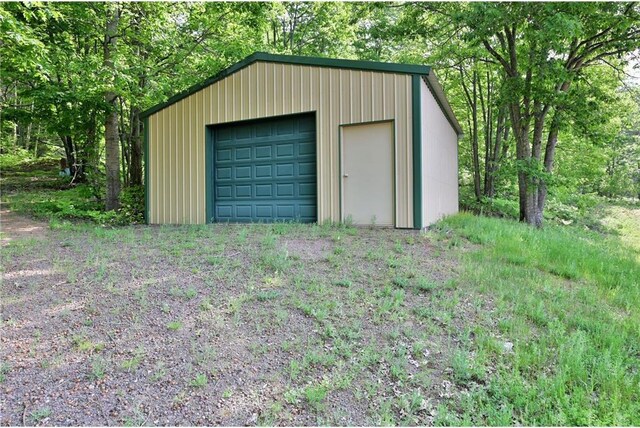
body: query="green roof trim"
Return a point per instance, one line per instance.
(416, 134)
(145, 143)
(296, 60)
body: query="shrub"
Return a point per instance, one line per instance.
(132, 205)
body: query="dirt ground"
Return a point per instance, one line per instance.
(13, 226)
(225, 325)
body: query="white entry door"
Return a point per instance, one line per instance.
(367, 174)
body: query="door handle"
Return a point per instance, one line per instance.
(345, 175)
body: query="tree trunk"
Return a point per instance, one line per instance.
(523, 154)
(549, 155)
(495, 155)
(112, 146)
(135, 169)
(472, 102)
(474, 141)
(67, 143)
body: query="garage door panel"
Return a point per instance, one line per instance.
(224, 154)
(264, 172)
(242, 172)
(224, 211)
(223, 173)
(270, 176)
(263, 152)
(242, 154)
(284, 150)
(284, 170)
(264, 190)
(243, 191)
(224, 191)
(284, 190)
(264, 211)
(306, 169)
(307, 148)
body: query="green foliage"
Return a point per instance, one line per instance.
(132, 205)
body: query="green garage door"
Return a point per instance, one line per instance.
(265, 170)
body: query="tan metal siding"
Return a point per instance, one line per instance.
(439, 161)
(338, 96)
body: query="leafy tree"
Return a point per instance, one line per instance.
(544, 49)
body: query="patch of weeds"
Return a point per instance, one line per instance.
(227, 393)
(288, 345)
(214, 260)
(142, 296)
(186, 293)
(424, 284)
(259, 348)
(38, 415)
(179, 398)
(205, 304)
(174, 325)
(291, 396)
(463, 367)
(295, 368)
(398, 370)
(4, 369)
(316, 395)
(199, 381)
(275, 261)
(386, 416)
(409, 405)
(133, 362)
(136, 421)
(391, 302)
(400, 281)
(369, 356)
(190, 293)
(343, 283)
(423, 312)
(270, 417)
(263, 296)
(418, 349)
(235, 303)
(82, 343)
(338, 250)
(318, 358)
(280, 316)
(165, 308)
(98, 368)
(159, 373)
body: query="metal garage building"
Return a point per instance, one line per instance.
(277, 137)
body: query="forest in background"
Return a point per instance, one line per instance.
(545, 92)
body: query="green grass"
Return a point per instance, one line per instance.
(569, 302)
(40, 414)
(199, 381)
(174, 325)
